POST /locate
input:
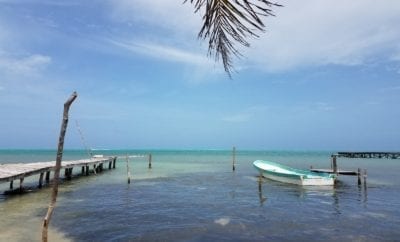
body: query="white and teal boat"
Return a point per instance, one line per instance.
(282, 173)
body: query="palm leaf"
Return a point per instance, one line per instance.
(227, 22)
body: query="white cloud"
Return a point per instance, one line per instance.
(237, 118)
(313, 33)
(246, 114)
(164, 52)
(25, 65)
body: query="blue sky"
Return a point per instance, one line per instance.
(324, 76)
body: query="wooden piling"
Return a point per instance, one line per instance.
(359, 176)
(365, 177)
(21, 182)
(83, 170)
(109, 165)
(87, 170)
(115, 159)
(150, 158)
(48, 177)
(128, 170)
(233, 158)
(11, 184)
(41, 180)
(334, 164)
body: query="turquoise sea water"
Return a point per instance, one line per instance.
(193, 195)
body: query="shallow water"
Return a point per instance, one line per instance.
(195, 196)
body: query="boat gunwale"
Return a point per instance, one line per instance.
(300, 174)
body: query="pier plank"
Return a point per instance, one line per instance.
(13, 171)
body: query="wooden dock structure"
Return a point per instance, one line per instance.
(369, 155)
(19, 171)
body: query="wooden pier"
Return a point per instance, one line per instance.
(19, 171)
(369, 155)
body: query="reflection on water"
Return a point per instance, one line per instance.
(318, 194)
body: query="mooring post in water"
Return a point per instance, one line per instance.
(233, 158)
(334, 164)
(11, 184)
(150, 157)
(114, 160)
(87, 170)
(359, 176)
(128, 170)
(365, 177)
(60, 149)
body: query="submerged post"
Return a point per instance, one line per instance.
(359, 176)
(233, 158)
(150, 161)
(60, 149)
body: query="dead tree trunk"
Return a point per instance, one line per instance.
(64, 124)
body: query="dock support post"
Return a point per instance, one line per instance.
(11, 184)
(150, 158)
(233, 158)
(48, 177)
(83, 170)
(359, 176)
(87, 170)
(114, 160)
(109, 165)
(95, 169)
(21, 182)
(41, 180)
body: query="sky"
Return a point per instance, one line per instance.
(324, 76)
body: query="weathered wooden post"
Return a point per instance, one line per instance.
(150, 158)
(41, 179)
(87, 170)
(21, 182)
(48, 177)
(365, 177)
(233, 158)
(60, 149)
(83, 170)
(334, 163)
(11, 184)
(359, 176)
(128, 170)
(114, 161)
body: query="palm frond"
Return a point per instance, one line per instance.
(226, 22)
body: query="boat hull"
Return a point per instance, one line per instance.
(281, 173)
